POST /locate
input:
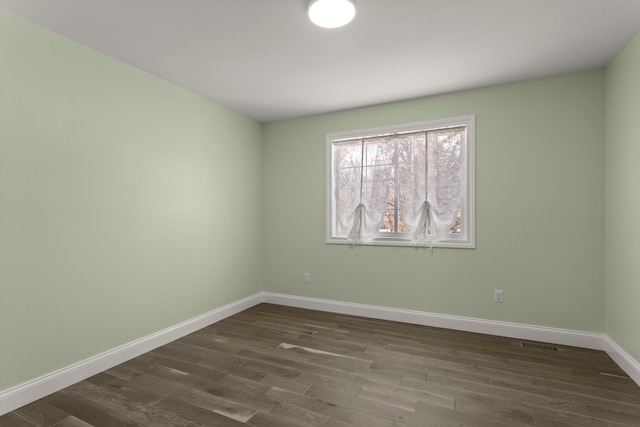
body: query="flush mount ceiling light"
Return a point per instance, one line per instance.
(331, 13)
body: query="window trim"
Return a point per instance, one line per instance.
(469, 220)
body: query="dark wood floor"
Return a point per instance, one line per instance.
(281, 366)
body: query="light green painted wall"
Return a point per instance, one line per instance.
(127, 205)
(622, 177)
(540, 199)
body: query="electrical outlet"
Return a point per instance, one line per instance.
(307, 278)
(498, 296)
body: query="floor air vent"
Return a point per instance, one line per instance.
(535, 346)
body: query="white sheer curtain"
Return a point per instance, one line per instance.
(362, 169)
(418, 223)
(442, 209)
(347, 173)
(381, 188)
(446, 155)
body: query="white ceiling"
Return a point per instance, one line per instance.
(264, 58)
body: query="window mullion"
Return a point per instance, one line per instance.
(396, 189)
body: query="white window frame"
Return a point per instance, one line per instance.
(468, 219)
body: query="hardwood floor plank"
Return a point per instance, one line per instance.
(94, 414)
(197, 416)
(380, 409)
(546, 422)
(331, 382)
(336, 412)
(164, 386)
(42, 414)
(135, 412)
(344, 344)
(13, 419)
(349, 367)
(398, 400)
(389, 368)
(72, 421)
(186, 368)
(216, 360)
(268, 420)
(394, 391)
(299, 414)
(212, 342)
(270, 368)
(615, 414)
(133, 391)
(243, 392)
(324, 354)
(284, 383)
(219, 405)
(440, 416)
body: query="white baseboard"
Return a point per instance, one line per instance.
(38, 388)
(469, 324)
(30, 391)
(623, 359)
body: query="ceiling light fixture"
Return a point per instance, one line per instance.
(331, 13)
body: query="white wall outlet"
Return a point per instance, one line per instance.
(307, 278)
(498, 296)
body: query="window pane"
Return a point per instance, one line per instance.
(347, 159)
(446, 158)
(388, 222)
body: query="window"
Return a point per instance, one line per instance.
(403, 185)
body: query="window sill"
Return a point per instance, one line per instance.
(381, 241)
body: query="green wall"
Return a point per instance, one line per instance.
(622, 225)
(127, 205)
(539, 216)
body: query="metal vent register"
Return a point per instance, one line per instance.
(536, 346)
